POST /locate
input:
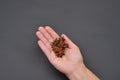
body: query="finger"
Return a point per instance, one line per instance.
(67, 40)
(40, 36)
(50, 55)
(46, 34)
(52, 32)
(44, 48)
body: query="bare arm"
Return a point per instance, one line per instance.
(71, 64)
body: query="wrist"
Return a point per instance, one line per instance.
(78, 73)
(82, 73)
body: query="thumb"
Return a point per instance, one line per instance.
(68, 41)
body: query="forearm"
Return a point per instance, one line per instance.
(82, 73)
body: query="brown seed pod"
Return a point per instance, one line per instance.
(59, 46)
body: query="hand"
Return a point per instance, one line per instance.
(72, 58)
(71, 64)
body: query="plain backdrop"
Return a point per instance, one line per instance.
(93, 25)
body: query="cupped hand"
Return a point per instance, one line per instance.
(72, 58)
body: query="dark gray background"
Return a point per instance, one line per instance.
(94, 25)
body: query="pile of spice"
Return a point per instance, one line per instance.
(59, 46)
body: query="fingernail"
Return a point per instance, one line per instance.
(37, 32)
(41, 27)
(62, 34)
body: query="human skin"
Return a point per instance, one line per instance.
(71, 64)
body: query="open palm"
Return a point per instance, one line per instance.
(72, 58)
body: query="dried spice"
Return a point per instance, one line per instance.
(59, 46)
